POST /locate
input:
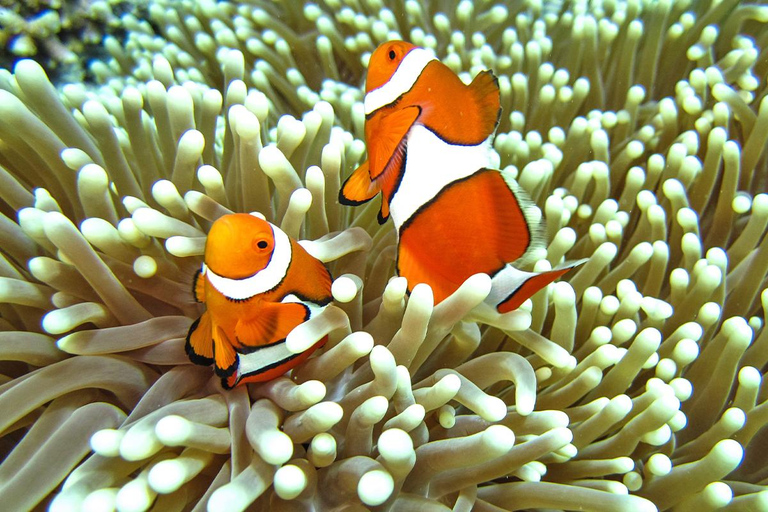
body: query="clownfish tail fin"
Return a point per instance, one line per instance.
(485, 92)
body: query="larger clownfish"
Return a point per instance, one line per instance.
(428, 138)
(257, 285)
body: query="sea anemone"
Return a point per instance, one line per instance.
(638, 128)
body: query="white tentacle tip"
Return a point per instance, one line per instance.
(500, 437)
(106, 442)
(166, 476)
(289, 482)
(344, 289)
(375, 487)
(275, 447)
(173, 430)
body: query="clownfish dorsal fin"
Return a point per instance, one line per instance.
(459, 114)
(272, 322)
(485, 92)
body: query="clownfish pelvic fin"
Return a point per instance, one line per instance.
(224, 355)
(199, 345)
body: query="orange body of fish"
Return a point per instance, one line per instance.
(428, 138)
(257, 285)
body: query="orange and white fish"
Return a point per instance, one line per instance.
(428, 137)
(257, 285)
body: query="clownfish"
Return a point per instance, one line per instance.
(257, 285)
(428, 137)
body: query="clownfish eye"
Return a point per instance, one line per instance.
(392, 54)
(262, 244)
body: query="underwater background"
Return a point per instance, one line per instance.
(636, 383)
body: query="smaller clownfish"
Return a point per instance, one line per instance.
(257, 285)
(428, 137)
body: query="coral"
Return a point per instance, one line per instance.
(639, 128)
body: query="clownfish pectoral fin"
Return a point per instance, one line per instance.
(358, 188)
(485, 91)
(224, 355)
(272, 322)
(199, 345)
(527, 284)
(460, 114)
(385, 136)
(198, 287)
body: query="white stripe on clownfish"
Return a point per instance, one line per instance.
(430, 165)
(401, 81)
(263, 358)
(262, 281)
